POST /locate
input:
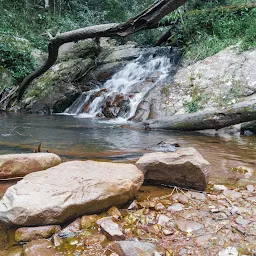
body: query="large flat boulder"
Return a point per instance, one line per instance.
(184, 168)
(69, 190)
(19, 165)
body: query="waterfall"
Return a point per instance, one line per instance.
(121, 95)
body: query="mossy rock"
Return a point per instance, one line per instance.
(119, 54)
(83, 49)
(249, 126)
(64, 72)
(55, 90)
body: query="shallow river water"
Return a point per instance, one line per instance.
(77, 138)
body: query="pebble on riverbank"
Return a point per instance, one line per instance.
(182, 223)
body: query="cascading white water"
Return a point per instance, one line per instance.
(129, 84)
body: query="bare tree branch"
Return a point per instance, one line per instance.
(146, 19)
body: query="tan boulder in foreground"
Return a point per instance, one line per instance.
(19, 165)
(69, 190)
(184, 168)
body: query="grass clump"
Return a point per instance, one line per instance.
(213, 26)
(197, 98)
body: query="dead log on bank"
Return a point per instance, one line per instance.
(211, 119)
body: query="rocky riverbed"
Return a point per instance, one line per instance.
(220, 222)
(93, 208)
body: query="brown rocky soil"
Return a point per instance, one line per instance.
(220, 222)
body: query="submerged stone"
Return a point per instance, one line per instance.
(250, 188)
(219, 187)
(176, 207)
(241, 221)
(231, 194)
(114, 212)
(197, 196)
(95, 239)
(73, 227)
(183, 199)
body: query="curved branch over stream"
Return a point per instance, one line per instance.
(146, 19)
(211, 119)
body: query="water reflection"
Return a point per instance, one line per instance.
(74, 138)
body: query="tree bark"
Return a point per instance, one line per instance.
(146, 19)
(163, 39)
(211, 119)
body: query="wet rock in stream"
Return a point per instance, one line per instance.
(219, 221)
(17, 165)
(185, 168)
(164, 146)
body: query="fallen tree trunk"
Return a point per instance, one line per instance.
(146, 19)
(211, 119)
(163, 39)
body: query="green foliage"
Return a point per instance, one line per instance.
(193, 105)
(202, 27)
(212, 27)
(15, 55)
(197, 98)
(30, 20)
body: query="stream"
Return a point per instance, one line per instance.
(72, 138)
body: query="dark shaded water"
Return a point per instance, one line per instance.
(76, 138)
